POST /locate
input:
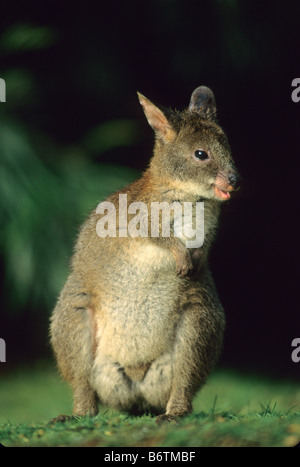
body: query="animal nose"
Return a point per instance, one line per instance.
(234, 180)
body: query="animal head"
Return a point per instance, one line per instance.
(191, 148)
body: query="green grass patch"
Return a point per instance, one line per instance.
(231, 410)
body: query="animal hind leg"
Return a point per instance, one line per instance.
(73, 340)
(197, 346)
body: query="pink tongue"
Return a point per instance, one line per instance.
(225, 194)
(221, 193)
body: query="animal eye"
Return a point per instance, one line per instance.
(201, 155)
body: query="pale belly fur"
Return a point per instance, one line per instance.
(136, 327)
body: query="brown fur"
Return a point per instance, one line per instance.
(139, 325)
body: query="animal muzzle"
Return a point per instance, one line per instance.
(225, 183)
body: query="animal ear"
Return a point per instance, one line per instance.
(157, 119)
(203, 102)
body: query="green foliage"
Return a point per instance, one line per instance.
(111, 134)
(41, 210)
(26, 37)
(46, 189)
(227, 412)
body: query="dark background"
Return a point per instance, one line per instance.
(72, 131)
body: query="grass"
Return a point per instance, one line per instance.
(231, 410)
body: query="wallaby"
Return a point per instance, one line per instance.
(138, 325)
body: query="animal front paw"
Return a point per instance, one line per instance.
(183, 261)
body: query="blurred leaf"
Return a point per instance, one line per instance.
(27, 37)
(112, 134)
(19, 84)
(40, 213)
